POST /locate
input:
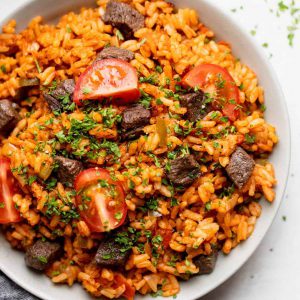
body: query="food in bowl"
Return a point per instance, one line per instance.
(133, 147)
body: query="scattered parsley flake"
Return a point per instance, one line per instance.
(282, 6)
(42, 259)
(250, 139)
(3, 69)
(119, 35)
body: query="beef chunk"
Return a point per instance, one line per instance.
(197, 105)
(53, 103)
(206, 263)
(240, 167)
(68, 169)
(115, 52)
(55, 97)
(42, 254)
(124, 17)
(9, 116)
(65, 88)
(132, 134)
(109, 254)
(134, 118)
(184, 170)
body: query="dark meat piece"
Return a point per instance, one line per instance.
(124, 17)
(132, 134)
(197, 105)
(115, 52)
(64, 89)
(109, 254)
(9, 116)
(134, 118)
(53, 103)
(206, 263)
(184, 170)
(240, 167)
(42, 254)
(68, 169)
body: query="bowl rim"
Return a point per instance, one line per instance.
(273, 77)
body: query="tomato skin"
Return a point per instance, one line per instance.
(108, 78)
(8, 187)
(129, 291)
(97, 209)
(199, 77)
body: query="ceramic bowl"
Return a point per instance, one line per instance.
(12, 262)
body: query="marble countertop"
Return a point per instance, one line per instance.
(273, 271)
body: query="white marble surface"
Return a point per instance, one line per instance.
(273, 272)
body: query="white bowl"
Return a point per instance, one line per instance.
(12, 262)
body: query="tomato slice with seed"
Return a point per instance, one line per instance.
(100, 200)
(8, 188)
(213, 78)
(108, 78)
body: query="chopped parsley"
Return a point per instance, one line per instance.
(227, 191)
(250, 139)
(107, 256)
(208, 206)
(145, 99)
(119, 35)
(151, 79)
(3, 68)
(159, 69)
(31, 180)
(42, 259)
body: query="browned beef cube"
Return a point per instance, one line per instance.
(64, 89)
(240, 167)
(134, 118)
(184, 170)
(124, 17)
(9, 116)
(53, 103)
(197, 105)
(206, 263)
(42, 254)
(115, 52)
(68, 169)
(110, 254)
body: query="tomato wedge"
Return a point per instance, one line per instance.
(100, 199)
(8, 187)
(213, 77)
(108, 78)
(129, 290)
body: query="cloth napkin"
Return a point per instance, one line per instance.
(11, 291)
